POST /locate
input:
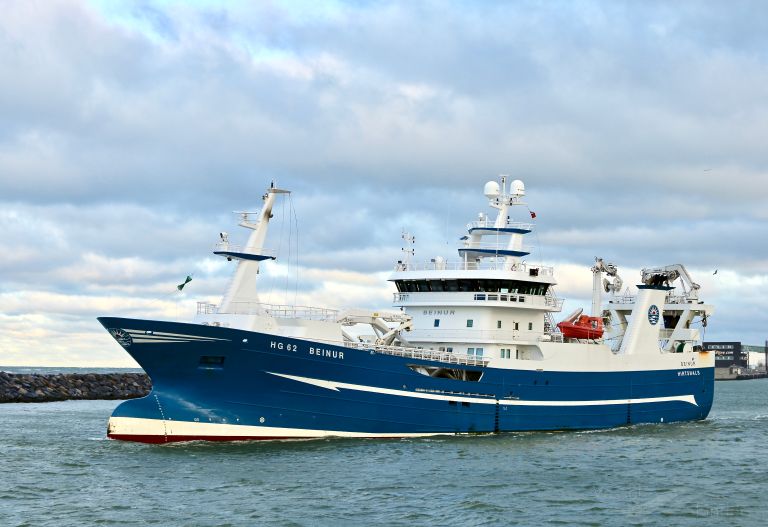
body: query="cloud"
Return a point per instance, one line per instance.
(130, 130)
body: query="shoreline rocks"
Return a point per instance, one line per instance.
(38, 388)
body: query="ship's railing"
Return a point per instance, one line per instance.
(418, 353)
(669, 299)
(232, 248)
(490, 224)
(554, 336)
(274, 310)
(305, 312)
(551, 300)
(477, 335)
(485, 264)
(500, 246)
(206, 308)
(510, 298)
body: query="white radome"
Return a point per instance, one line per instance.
(491, 190)
(518, 188)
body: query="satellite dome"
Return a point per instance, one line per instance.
(491, 190)
(518, 188)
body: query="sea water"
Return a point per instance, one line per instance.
(57, 469)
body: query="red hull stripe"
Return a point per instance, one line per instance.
(157, 439)
(177, 438)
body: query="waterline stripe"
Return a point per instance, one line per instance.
(125, 427)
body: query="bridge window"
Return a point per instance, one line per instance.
(437, 322)
(472, 285)
(470, 323)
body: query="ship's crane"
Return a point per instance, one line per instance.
(614, 287)
(669, 273)
(377, 320)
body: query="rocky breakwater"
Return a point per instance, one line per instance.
(36, 388)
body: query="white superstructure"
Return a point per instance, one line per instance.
(487, 305)
(489, 299)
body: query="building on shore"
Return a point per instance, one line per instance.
(735, 360)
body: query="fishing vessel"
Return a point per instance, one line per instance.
(471, 345)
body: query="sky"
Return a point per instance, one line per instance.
(130, 131)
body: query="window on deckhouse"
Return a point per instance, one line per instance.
(472, 285)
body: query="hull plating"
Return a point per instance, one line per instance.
(221, 384)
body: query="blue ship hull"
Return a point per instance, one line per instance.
(218, 383)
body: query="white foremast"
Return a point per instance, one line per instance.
(242, 289)
(241, 308)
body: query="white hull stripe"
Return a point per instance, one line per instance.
(141, 336)
(133, 426)
(333, 385)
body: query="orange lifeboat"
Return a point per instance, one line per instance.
(578, 326)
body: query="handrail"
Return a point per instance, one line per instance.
(669, 299)
(274, 310)
(487, 264)
(488, 224)
(416, 353)
(467, 335)
(498, 246)
(206, 308)
(471, 296)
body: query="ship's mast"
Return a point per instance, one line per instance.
(503, 203)
(243, 286)
(507, 237)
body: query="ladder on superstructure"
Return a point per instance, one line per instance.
(549, 320)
